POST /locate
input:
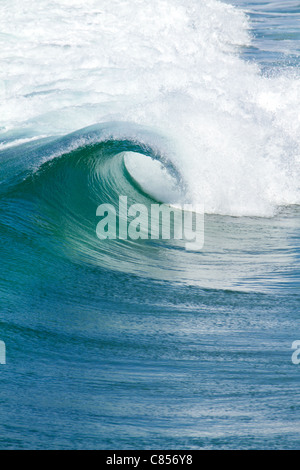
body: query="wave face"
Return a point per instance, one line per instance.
(173, 66)
(56, 197)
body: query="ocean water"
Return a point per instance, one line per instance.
(142, 344)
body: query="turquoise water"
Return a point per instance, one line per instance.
(144, 345)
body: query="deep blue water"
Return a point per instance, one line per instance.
(143, 345)
(276, 32)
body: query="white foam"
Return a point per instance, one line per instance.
(153, 178)
(16, 142)
(169, 64)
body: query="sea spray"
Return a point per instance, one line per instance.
(174, 66)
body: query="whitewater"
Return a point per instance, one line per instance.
(171, 66)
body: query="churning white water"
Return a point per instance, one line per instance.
(171, 65)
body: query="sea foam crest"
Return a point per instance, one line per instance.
(172, 65)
